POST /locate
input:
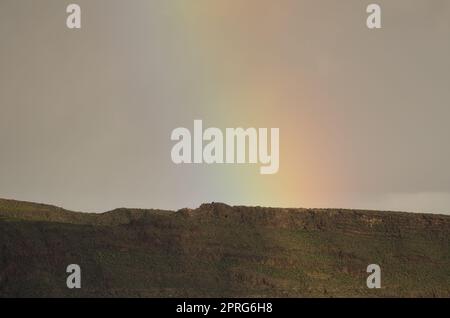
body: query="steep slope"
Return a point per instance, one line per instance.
(218, 250)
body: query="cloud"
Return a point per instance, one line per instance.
(426, 202)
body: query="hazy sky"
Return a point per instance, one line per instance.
(86, 115)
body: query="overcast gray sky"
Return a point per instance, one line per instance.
(86, 115)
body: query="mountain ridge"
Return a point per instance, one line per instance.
(217, 250)
(39, 209)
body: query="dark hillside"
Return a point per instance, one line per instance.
(219, 250)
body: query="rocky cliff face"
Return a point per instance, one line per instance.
(218, 250)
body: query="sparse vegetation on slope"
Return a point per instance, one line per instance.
(218, 250)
